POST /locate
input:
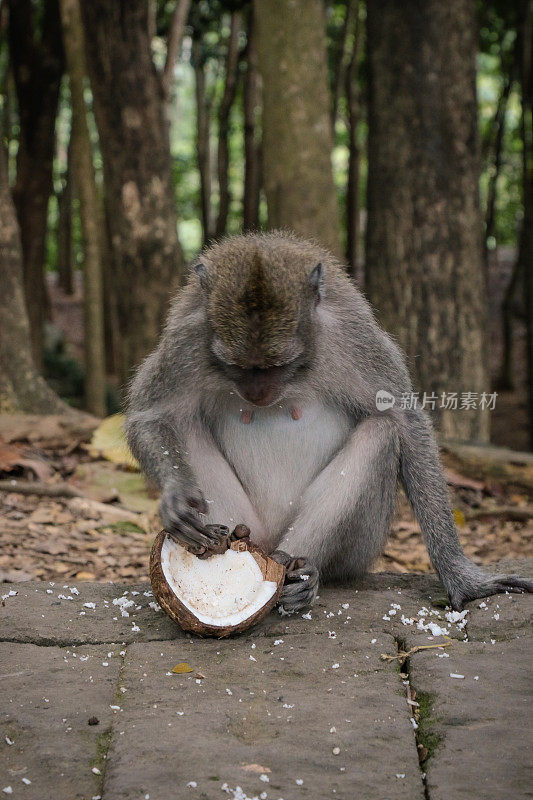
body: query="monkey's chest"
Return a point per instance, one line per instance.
(276, 452)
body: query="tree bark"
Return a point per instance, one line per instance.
(129, 107)
(340, 67)
(297, 141)
(252, 144)
(37, 59)
(352, 182)
(64, 229)
(424, 235)
(499, 130)
(21, 386)
(95, 387)
(232, 59)
(203, 141)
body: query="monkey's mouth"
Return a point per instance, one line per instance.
(264, 396)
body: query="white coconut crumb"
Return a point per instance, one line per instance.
(443, 655)
(263, 796)
(476, 677)
(135, 628)
(89, 605)
(95, 770)
(373, 641)
(105, 664)
(496, 616)
(456, 675)
(288, 705)
(192, 785)
(299, 781)
(335, 666)
(228, 691)
(336, 751)
(155, 606)
(264, 778)
(345, 606)
(74, 590)
(307, 616)
(115, 708)
(49, 591)
(26, 781)
(400, 774)
(385, 617)
(9, 741)
(414, 723)
(7, 789)
(11, 593)
(278, 641)
(332, 635)
(457, 617)
(252, 658)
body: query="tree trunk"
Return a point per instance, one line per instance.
(129, 108)
(352, 183)
(297, 140)
(174, 40)
(37, 59)
(252, 144)
(424, 235)
(90, 216)
(21, 386)
(203, 141)
(340, 66)
(65, 266)
(499, 130)
(232, 59)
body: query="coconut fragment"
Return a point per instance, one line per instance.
(217, 596)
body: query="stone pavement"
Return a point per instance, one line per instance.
(296, 708)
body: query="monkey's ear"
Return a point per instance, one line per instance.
(202, 273)
(316, 281)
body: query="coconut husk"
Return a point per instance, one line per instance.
(176, 610)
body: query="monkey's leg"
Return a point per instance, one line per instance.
(426, 489)
(344, 515)
(226, 499)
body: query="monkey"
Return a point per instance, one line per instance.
(258, 407)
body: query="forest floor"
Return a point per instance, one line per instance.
(73, 508)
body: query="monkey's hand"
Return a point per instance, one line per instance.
(178, 506)
(301, 582)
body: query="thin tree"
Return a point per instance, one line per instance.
(203, 136)
(64, 228)
(36, 55)
(174, 42)
(297, 141)
(21, 386)
(353, 114)
(95, 388)
(424, 258)
(228, 97)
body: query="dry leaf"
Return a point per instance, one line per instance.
(179, 669)
(459, 517)
(256, 768)
(110, 443)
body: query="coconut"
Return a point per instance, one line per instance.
(216, 596)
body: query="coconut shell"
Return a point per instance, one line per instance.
(176, 610)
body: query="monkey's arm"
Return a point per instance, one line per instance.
(423, 480)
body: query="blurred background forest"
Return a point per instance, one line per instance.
(398, 134)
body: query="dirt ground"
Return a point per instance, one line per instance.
(81, 513)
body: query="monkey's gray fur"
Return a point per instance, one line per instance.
(259, 407)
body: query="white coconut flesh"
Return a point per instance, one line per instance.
(222, 590)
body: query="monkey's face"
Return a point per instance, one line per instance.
(261, 315)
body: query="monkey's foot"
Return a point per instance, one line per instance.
(487, 586)
(301, 582)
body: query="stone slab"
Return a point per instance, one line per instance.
(264, 709)
(48, 695)
(483, 719)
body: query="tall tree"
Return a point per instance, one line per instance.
(36, 54)
(129, 105)
(424, 234)
(90, 216)
(21, 386)
(297, 139)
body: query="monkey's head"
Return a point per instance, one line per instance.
(261, 292)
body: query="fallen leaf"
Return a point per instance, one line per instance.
(14, 457)
(256, 768)
(85, 576)
(459, 517)
(110, 443)
(179, 669)
(455, 479)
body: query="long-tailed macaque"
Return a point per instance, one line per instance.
(259, 407)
